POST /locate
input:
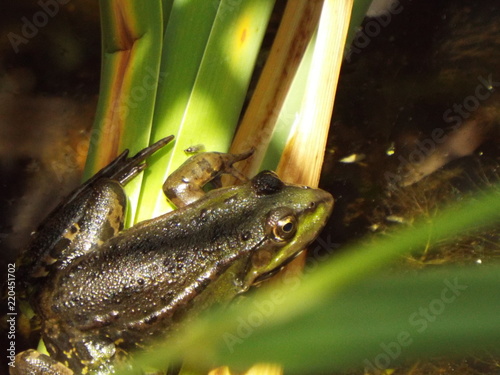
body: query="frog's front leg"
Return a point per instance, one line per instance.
(185, 185)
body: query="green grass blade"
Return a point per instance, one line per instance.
(132, 34)
(289, 112)
(376, 324)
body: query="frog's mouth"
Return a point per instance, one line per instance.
(276, 270)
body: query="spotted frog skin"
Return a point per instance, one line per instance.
(101, 291)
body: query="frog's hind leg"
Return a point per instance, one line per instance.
(123, 169)
(92, 214)
(76, 228)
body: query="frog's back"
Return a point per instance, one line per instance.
(146, 278)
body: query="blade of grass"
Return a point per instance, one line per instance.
(131, 35)
(379, 323)
(359, 10)
(337, 275)
(289, 111)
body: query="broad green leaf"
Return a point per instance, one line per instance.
(208, 57)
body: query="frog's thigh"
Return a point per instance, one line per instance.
(101, 220)
(34, 363)
(105, 210)
(88, 220)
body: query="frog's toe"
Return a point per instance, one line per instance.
(128, 168)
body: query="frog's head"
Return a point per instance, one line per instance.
(293, 218)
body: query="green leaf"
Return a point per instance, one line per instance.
(132, 34)
(378, 323)
(207, 68)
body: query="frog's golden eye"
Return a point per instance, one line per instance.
(285, 228)
(281, 224)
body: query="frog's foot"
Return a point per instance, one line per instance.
(123, 169)
(236, 158)
(185, 185)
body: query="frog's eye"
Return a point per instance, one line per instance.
(285, 228)
(282, 224)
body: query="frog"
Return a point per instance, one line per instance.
(101, 291)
